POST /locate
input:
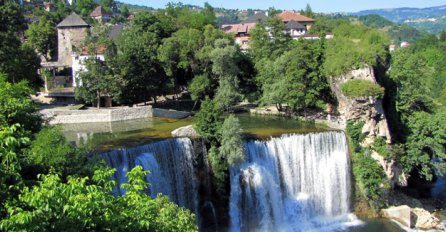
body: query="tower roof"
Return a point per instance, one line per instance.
(73, 20)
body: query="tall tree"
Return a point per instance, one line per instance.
(96, 81)
(42, 36)
(84, 7)
(18, 62)
(108, 5)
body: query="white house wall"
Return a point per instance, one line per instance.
(79, 65)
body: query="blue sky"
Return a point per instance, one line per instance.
(317, 5)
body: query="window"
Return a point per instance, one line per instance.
(245, 42)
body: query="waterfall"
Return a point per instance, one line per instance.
(292, 183)
(171, 166)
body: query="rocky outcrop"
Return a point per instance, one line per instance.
(370, 111)
(417, 218)
(366, 109)
(424, 220)
(400, 214)
(186, 131)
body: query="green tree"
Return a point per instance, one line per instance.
(231, 148)
(108, 5)
(84, 7)
(297, 81)
(425, 143)
(224, 65)
(16, 107)
(410, 73)
(308, 11)
(95, 82)
(18, 62)
(227, 92)
(12, 140)
(268, 40)
(140, 71)
(125, 10)
(208, 121)
(42, 37)
(82, 205)
(200, 87)
(50, 150)
(442, 36)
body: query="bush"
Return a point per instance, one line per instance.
(370, 177)
(51, 150)
(362, 88)
(208, 121)
(354, 132)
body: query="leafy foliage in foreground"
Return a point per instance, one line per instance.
(80, 205)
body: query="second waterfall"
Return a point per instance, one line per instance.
(292, 183)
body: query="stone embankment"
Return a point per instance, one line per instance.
(92, 115)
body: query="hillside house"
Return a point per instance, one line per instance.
(100, 14)
(241, 31)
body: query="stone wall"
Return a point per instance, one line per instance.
(69, 38)
(96, 115)
(109, 114)
(163, 113)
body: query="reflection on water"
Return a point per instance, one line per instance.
(105, 136)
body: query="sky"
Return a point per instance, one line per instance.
(326, 6)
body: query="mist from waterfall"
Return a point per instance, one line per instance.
(292, 183)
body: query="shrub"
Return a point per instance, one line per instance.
(370, 177)
(362, 88)
(354, 132)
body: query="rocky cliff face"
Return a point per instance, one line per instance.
(370, 111)
(366, 109)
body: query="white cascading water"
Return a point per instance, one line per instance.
(292, 183)
(171, 166)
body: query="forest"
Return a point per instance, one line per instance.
(47, 184)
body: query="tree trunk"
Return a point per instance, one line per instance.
(99, 99)
(195, 104)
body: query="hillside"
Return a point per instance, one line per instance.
(432, 19)
(405, 14)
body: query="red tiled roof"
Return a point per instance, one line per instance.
(287, 16)
(238, 28)
(99, 12)
(99, 50)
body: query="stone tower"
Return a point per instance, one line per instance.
(70, 34)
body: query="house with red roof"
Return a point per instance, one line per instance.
(100, 14)
(297, 25)
(242, 30)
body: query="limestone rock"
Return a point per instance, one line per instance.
(424, 220)
(186, 131)
(370, 111)
(399, 213)
(366, 109)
